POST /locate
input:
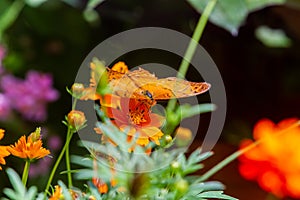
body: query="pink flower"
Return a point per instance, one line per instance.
(30, 96)
(5, 107)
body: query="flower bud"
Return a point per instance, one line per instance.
(182, 186)
(175, 165)
(36, 135)
(76, 118)
(77, 88)
(168, 138)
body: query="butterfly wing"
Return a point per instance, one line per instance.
(133, 84)
(173, 87)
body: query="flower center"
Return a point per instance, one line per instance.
(137, 116)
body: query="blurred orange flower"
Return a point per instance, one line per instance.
(3, 150)
(275, 162)
(30, 149)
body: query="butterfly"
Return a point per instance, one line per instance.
(133, 93)
(141, 84)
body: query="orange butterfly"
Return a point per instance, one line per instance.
(141, 84)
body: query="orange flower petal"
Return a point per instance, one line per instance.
(28, 149)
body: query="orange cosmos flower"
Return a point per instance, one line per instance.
(29, 149)
(134, 116)
(275, 162)
(3, 150)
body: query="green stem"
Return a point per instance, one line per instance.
(236, 154)
(25, 172)
(195, 39)
(68, 164)
(57, 163)
(226, 161)
(74, 104)
(192, 48)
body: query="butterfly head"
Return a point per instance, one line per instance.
(147, 94)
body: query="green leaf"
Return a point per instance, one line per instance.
(16, 181)
(231, 14)
(10, 193)
(274, 38)
(193, 162)
(31, 193)
(215, 195)
(83, 161)
(197, 188)
(212, 186)
(197, 156)
(41, 196)
(19, 191)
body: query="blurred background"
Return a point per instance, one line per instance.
(261, 75)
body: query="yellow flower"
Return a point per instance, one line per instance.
(3, 150)
(28, 149)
